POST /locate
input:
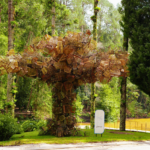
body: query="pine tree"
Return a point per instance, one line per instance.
(123, 80)
(139, 29)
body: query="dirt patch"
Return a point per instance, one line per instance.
(118, 132)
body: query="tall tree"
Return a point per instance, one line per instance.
(123, 83)
(138, 25)
(123, 93)
(126, 15)
(3, 49)
(53, 17)
(0, 13)
(10, 46)
(94, 19)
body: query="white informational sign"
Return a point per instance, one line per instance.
(99, 121)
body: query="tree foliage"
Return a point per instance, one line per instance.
(109, 29)
(108, 99)
(137, 29)
(33, 19)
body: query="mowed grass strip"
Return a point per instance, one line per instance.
(87, 135)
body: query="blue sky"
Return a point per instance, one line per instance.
(115, 2)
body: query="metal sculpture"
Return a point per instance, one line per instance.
(66, 63)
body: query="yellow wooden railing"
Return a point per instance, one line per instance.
(131, 124)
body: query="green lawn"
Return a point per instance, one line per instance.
(109, 135)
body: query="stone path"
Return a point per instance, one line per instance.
(88, 146)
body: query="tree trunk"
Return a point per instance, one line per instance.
(123, 94)
(10, 27)
(92, 106)
(0, 14)
(30, 98)
(123, 105)
(53, 18)
(82, 27)
(95, 20)
(100, 27)
(63, 28)
(63, 120)
(10, 46)
(92, 86)
(37, 95)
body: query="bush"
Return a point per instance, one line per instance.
(41, 123)
(8, 127)
(29, 126)
(19, 129)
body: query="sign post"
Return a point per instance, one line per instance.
(99, 122)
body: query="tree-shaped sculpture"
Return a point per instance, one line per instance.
(66, 63)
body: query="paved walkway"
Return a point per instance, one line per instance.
(89, 146)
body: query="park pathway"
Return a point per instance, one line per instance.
(145, 145)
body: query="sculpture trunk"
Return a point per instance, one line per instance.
(63, 121)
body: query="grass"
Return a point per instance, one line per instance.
(109, 135)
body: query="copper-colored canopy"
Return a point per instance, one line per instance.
(70, 60)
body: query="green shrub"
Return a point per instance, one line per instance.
(19, 129)
(29, 126)
(8, 127)
(41, 123)
(87, 127)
